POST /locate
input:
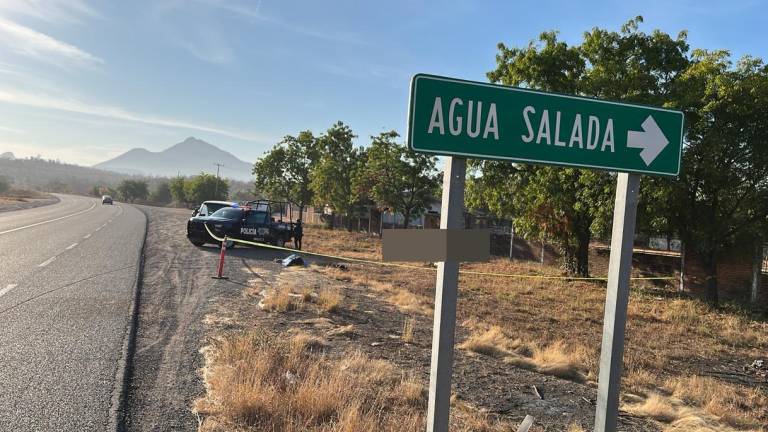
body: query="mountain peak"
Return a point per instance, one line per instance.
(192, 143)
(189, 157)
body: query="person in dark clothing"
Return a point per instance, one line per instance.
(298, 233)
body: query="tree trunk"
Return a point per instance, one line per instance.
(570, 263)
(711, 288)
(757, 267)
(406, 219)
(576, 258)
(582, 254)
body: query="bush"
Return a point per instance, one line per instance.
(5, 184)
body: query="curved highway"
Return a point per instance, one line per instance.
(67, 278)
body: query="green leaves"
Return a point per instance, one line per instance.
(723, 184)
(331, 178)
(284, 171)
(131, 190)
(396, 177)
(566, 205)
(204, 187)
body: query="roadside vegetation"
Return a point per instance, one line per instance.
(295, 380)
(677, 348)
(10, 194)
(262, 382)
(686, 362)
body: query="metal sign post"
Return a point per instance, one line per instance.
(617, 297)
(446, 291)
(459, 118)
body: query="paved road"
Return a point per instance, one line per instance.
(67, 276)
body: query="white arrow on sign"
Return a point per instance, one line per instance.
(651, 140)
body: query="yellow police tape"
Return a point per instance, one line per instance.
(388, 264)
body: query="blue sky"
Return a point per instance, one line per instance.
(85, 80)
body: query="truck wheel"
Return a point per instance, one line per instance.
(280, 242)
(197, 242)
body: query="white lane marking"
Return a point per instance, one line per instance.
(71, 246)
(6, 289)
(46, 262)
(97, 229)
(48, 221)
(86, 236)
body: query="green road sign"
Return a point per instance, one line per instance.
(486, 121)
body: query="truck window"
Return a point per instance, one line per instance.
(212, 207)
(228, 213)
(256, 218)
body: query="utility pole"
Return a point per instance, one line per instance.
(218, 165)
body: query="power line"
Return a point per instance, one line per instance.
(218, 165)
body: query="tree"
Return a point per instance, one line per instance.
(396, 177)
(177, 187)
(331, 178)
(284, 171)
(568, 205)
(162, 194)
(722, 192)
(131, 190)
(4, 184)
(204, 187)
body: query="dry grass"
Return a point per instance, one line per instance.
(347, 330)
(330, 299)
(407, 335)
(256, 382)
(575, 427)
(656, 407)
(555, 359)
(685, 313)
(406, 300)
(12, 195)
(280, 300)
(666, 338)
(304, 342)
(492, 342)
(731, 403)
(702, 404)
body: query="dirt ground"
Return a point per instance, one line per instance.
(367, 322)
(22, 201)
(385, 313)
(175, 294)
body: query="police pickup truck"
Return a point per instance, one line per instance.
(252, 222)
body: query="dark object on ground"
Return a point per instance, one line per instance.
(293, 260)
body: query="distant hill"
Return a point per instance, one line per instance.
(8, 156)
(54, 176)
(189, 157)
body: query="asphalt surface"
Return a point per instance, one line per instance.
(67, 279)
